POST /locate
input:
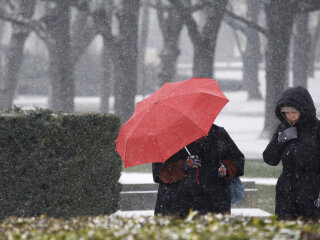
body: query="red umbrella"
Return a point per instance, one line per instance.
(171, 118)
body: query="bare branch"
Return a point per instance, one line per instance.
(188, 19)
(160, 13)
(303, 6)
(194, 8)
(82, 5)
(10, 4)
(238, 42)
(235, 25)
(197, 7)
(247, 22)
(29, 24)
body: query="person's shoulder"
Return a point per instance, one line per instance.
(218, 130)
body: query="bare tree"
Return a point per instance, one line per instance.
(123, 47)
(279, 17)
(314, 47)
(102, 13)
(58, 41)
(251, 56)
(63, 54)
(22, 9)
(171, 24)
(54, 29)
(82, 33)
(204, 40)
(301, 45)
(142, 43)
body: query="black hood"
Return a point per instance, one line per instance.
(299, 98)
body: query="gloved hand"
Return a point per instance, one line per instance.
(192, 161)
(222, 170)
(288, 134)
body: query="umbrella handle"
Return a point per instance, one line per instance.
(197, 168)
(187, 150)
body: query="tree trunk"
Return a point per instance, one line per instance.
(82, 34)
(14, 57)
(102, 19)
(314, 47)
(107, 81)
(171, 24)
(142, 45)
(2, 31)
(61, 68)
(252, 55)
(205, 44)
(203, 59)
(280, 22)
(125, 68)
(169, 58)
(301, 47)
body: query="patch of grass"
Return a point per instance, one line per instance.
(266, 197)
(258, 168)
(145, 168)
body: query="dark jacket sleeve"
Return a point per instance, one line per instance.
(158, 167)
(273, 151)
(230, 151)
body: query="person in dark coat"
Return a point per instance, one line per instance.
(199, 183)
(296, 142)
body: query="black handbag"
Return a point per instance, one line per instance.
(236, 190)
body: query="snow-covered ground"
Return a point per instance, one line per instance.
(245, 212)
(138, 178)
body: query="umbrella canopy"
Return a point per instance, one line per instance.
(171, 118)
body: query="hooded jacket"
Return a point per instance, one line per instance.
(212, 193)
(299, 183)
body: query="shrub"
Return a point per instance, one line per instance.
(58, 164)
(146, 228)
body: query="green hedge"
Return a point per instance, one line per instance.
(58, 164)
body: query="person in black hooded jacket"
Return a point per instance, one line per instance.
(296, 142)
(201, 183)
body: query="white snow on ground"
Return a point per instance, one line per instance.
(261, 181)
(138, 178)
(135, 178)
(245, 212)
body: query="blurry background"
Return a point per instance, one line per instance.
(114, 53)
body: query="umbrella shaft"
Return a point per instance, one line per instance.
(187, 150)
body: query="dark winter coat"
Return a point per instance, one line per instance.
(299, 183)
(212, 194)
